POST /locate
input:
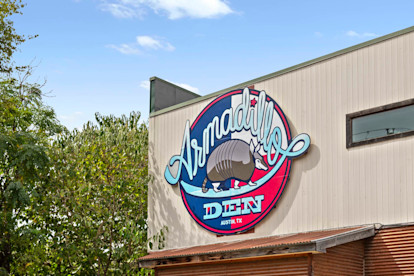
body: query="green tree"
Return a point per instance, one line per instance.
(9, 39)
(26, 129)
(96, 209)
(74, 203)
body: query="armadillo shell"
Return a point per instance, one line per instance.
(231, 159)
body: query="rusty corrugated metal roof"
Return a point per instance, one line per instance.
(268, 242)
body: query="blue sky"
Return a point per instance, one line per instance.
(97, 55)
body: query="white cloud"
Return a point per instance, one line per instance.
(142, 43)
(174, 9)
(149, 42)
(146, 85)
(360, 35)
(126, 49)
(120, 10)
(188, 87)
(154, 44)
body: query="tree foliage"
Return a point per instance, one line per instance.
(9, 39)
(26, 127)
(96, 209)
(70, 202)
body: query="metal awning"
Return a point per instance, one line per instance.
(300, 243)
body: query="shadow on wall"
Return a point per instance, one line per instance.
(304, 163)
(390, 252)
(168, 210)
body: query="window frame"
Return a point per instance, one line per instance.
(370, 111)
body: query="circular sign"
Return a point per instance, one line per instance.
(235, 161)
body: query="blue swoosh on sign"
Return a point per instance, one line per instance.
(290, 152)
(197, 191)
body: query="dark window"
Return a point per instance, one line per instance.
(380, 123)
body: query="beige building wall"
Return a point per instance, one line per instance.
(331, 186)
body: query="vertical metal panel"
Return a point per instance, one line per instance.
(390, 252)
(347, 259)
(288, 266)
(330, 186)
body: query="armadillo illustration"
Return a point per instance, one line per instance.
(233, 159)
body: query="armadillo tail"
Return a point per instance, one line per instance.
(203, 187)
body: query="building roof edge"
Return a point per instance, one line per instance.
(287, 70)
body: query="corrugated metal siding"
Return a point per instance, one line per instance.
(288, 266)
(330, 186)
(268, 242)
(390, 252)
(347, 259)
(333, 186)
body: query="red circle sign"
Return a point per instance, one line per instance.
(235, 161)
